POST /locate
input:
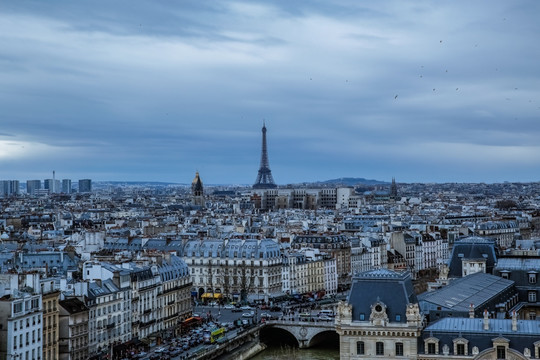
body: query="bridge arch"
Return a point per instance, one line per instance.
(270, 335)
(329, 337)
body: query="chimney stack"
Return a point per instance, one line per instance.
(486, 320)
(514, 321)
(471, 311)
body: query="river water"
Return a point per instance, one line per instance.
(276, 352)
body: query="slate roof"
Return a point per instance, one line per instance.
(107, 287)
(518, 264)
(472, 248)
(448, 329)
(73, 305)
(248, 249)
(394, 289)
(477, 289)
(177, 268)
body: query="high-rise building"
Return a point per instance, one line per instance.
(85, 185)
(264, 177)
(9, 187)
(32, 186)
(66, 186)
(52, 185)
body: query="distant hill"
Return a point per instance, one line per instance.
(135, 183)
(352, 181)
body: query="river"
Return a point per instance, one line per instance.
(275, 352)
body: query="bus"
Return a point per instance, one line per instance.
(211, 336)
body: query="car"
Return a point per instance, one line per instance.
(160, 350)
(246, 307)
(326, 318)
(266, 315)
(195, 315)
(229, 306)
(237, 310)
(247, 314)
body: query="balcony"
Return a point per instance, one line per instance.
(111, 325)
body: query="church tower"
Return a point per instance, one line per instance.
(197, 191)
(393, 190)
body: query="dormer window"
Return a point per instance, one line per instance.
(431, 345)
(532, 277)
(501, 352)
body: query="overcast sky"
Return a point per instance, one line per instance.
(422, 91)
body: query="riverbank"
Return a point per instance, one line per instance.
(244, 352)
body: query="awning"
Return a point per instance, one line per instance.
(211, 296)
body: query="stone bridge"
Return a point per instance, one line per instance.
(306, 333)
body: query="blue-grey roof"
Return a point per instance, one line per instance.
(518, 264)
(60, 261)
(106, 288)
(448, 329)
(233, 248)
(496, 326)
(472, 248)
(394, 289)
(174, 269)
(477, 289)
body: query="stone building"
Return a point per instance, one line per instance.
(234, 269)
(381, 317)
(73, 337)
(337, 246)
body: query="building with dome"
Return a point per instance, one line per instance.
(234, 269)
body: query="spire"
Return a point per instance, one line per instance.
(264, 177)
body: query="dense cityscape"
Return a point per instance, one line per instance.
(154, 271)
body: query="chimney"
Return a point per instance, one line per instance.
(514, 321)
(471, 311)
(486, 320)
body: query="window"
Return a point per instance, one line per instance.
(501, 352)
(532, 278)
(398, 318)
(505, 275)
(399, 349)
(532, 296)
(532, 315)
(362, 317)
(431, 348)
(379, 348)
(460, 349)
(360, 348)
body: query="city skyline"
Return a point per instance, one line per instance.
(151, 91)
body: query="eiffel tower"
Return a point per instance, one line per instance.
(264, 178)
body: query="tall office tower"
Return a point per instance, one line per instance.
(66, 186)
(9, 187)
(264, 177)
(85, 185)
(32, 186)
(52, 185)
